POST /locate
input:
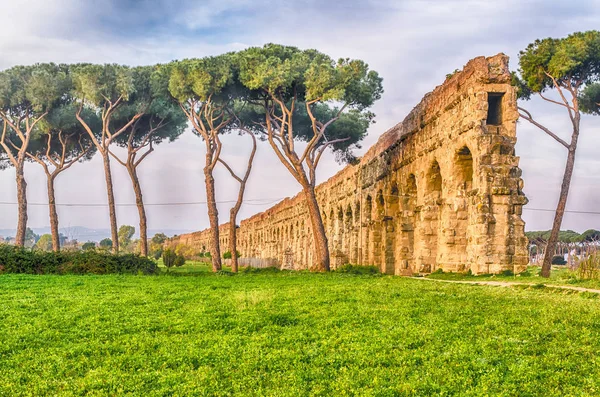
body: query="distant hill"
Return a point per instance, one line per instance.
(81, 233)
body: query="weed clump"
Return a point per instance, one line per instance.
(358, 269)
(254, 270)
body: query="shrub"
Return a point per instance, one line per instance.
(249, 269)
(171, 259)
(227, 254)
(589, 269)
(106, 243)
(157, 253)
(559, 260)
(507, 273)
(179, 260)
(169, 256)
(357, 269)
(186, 251)
(90, 245)
(21, 260)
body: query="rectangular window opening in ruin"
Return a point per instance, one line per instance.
(494, 115)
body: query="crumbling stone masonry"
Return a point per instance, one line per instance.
(442, 189)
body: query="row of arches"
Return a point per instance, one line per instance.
(415, 220)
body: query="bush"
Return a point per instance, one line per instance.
(589, 269)
(21, 260)
(157, 254)
(227, 254)
(249, 269)
(357, 269)
(171, 259)
(559, 260)
(186, 251)
(90, 245)
(179, 261)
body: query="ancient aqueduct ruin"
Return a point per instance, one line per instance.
(442, 189)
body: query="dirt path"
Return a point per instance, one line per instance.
(511, 284)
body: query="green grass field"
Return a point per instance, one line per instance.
(292, 334)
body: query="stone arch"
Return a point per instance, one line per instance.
(340, 228)
(464, 168)
(390, 226)
(358, 234)
(456, 213)
(378, 230)
(408, 226)
(367, 231)
(330, 231)
(429, 222)
(349, 233)
(368, 208)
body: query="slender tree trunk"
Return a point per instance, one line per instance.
(139, 201)
(233, 241)
(562, 202)
(213, 215)
(53, 215)
(233, 229)
(111, 203)
(22, 203)
(319, 236)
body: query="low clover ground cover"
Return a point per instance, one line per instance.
(290, 334)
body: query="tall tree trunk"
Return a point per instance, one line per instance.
(233, 229)
(232, 221)
(562, 202)
(319, 236)
(22, 203)
(213, 216)
(233, 241)
(53, 215)
(111, 203)
(139, 202)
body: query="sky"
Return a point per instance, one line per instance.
(413, 44)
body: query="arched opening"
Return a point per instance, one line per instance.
(358, 237)
(330, 231)
(339, 232)
(390, 225)
(429, 222)
(368, 231)
(378, 230)
(464, 169)
(408, 227)
(348, 243)
(456, 213)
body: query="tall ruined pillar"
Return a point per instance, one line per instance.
(500, 230)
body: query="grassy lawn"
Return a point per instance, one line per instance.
(292, 335)
(560, 275)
